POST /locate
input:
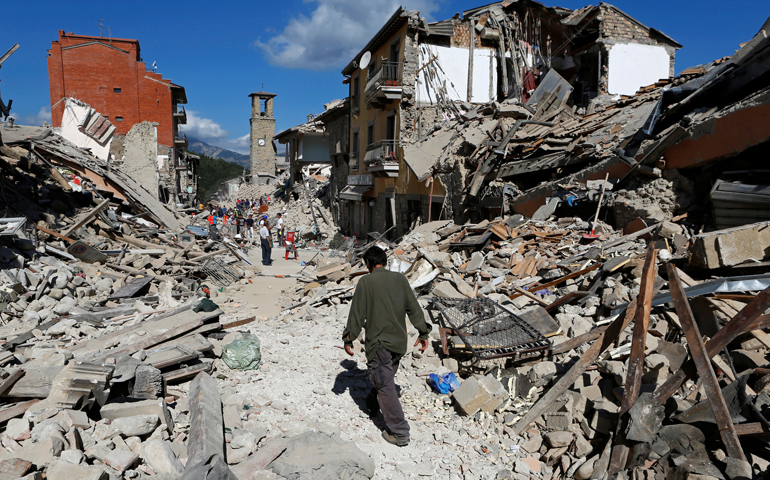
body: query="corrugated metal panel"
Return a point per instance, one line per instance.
(736, 204)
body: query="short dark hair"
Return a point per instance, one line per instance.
(375, 256)
(279, 214)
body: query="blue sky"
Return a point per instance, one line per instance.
(222, 51)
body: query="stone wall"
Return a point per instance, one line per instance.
(140, 162)
(262, 157)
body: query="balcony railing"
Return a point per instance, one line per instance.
(181, 115)
(383, 85)
(384, 152)
(181, 139)
(388, 73)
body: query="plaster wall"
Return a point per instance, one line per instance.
(74, 114)
(454, 63)
(632, 65)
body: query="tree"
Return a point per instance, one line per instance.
(212, 172)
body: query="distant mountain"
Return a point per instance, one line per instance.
(203, 148)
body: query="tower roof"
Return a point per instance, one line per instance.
(263, 94)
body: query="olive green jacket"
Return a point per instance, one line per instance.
(380, 305)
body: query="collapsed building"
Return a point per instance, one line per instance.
(98, 115)
(414, 76)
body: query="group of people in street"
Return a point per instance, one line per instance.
(239, 222)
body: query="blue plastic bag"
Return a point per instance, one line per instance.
(445, 383)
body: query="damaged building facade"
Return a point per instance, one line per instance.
(414, 76)
(99, 111)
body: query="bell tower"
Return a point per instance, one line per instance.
(262, 133)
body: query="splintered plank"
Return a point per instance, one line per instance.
(703, 364)
(187, 372)
(561, 279)
(636, 359)
(746, 319)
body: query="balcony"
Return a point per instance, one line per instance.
(383, 84)
(383, 158)
(180, 141)
(180, 116)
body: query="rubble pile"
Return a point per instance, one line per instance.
(304, 207)
(605, 384)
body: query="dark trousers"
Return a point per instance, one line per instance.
(382, 373)
(266, 251)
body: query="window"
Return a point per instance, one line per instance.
(370, 134)
(394, 48)
(390, 127)
(354, 151)
(355, 94)
(118, 119)
(116, 89)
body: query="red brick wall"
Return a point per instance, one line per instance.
(91, 72)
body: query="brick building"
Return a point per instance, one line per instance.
(109, 75)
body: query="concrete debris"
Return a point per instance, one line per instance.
(579, 354)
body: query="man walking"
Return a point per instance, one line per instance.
(381, 301)
(267, 248)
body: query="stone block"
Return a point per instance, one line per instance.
(497, 393)
(542, 373)
(445, 289)
(559, 438)
(161, 458)
(127, 408)
(40, 453)
(557, 420)
(470, 396)
(724, 248)
(18, 429)
(73, 418)
(136, 426)
(70, 471)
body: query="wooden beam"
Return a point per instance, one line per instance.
(8, 381)
(561, 279)
(55, 234)
(747, 319)
(531, 296)
(751, 429)
(185, 373)
(102, 205)
(238, 323)
(703, 364)
(636, 359)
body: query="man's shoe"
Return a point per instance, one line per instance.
(396, 440)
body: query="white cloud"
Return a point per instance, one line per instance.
(334, 33)
(212, 133)
(43, 116)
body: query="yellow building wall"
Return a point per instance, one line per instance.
(366, 115)
(407, 184)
